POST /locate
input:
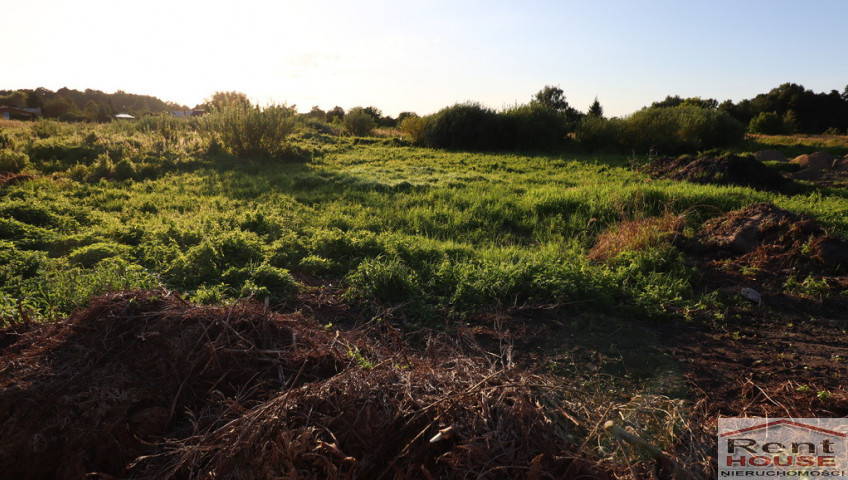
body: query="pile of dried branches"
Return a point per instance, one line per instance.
(143, 384)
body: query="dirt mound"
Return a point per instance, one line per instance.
(769, 156)
(764, 230)
(742, 231)
(815, 161)
(244, 393)
(726, 170)
(786, 257)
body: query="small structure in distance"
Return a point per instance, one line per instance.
(13, 112)
(197, 112)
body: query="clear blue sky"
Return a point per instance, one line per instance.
(423, 55)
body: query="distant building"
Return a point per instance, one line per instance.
(187, 113)
(124, 116)
(13, 112)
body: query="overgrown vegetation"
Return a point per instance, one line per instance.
(444, 273)
(190, 205)
(666, 130)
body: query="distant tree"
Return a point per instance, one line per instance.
(554, 98)
(336, 113)
(404, 115)
(56, 106)
(15, 99)
(709, 103)
(220, 100)
(317, 113)
(596, 110)
(668, 102)
(790, 122)
(358, 121)
(90, 112)
(768, 123)
(374, 112)
(104, 113)
(677, 101)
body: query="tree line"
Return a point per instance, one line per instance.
(89, 105)
(787, 109)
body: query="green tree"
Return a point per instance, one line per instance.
(359, 122)
(404, 115)
(220, 100)
(336, 113)
(554, 98)
(56, 106)
(90, 112)
(596, 110)
(768, 123)
(317, 113)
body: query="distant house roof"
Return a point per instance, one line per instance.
(124, 116)
(187, 113)
(6, 112)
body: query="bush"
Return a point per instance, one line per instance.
(227, 255)
(91, 255)
(385, 280)
(125, 169)
(534, 126)
(358, 122)
(7, 141)
(680, 129)
(103, 168)
(597, 132)
(12, 161)
(464, 126)
(768, 123)
(412, 128)
(276, 283)
(247, 131)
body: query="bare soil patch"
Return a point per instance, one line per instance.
(727, 170)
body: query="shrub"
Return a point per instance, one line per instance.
(247, 131)
(597, 132)
(768, 123)
(412, 128)
(276, 283)
(40, 214)
(226, 256)
(464, 126)
(90, 255)
(384, 280)
(358, 122)
(533, 126)
(12, 161)
(103, 168)
(680, 129)
(125, 169)
(7, 141)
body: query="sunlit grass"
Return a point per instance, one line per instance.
(429, 229)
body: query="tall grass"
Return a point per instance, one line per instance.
(455, 232)
(252, 131)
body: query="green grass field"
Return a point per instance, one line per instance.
(138, 205)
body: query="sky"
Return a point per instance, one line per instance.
(421, 56)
